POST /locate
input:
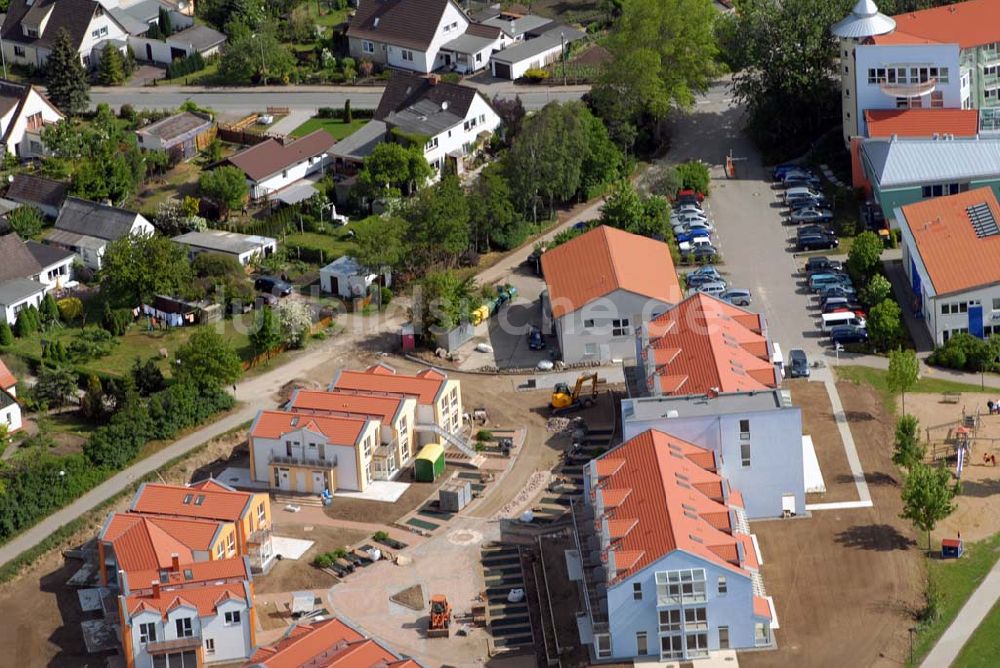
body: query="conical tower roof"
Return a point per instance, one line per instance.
(865, 21)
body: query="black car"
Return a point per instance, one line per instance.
(848, 334)
(707, 253)
(798, 364)
(273, 285)
(817, 241)
(814, 229)
(535, 339)
(821, 263)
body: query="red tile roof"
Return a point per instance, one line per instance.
(703, 344)
(761, 607)
(604, 260)
(664, 511)
(204, 599)
(922, 122)
(383, 380)
(955, 258)
(215, 502)
(343, 403)
(271, 156)
(337, 430)
(326, 644)
(200, 572)
(968, 24)
(141, 542)
(7, 379)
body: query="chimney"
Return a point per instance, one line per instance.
(175, 562)
(156, 588)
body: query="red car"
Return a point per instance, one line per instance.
(689, 195)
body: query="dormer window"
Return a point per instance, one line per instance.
(31, 32)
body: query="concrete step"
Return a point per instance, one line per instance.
(282, 500)
(509, 620)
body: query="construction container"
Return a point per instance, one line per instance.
(407, 337)
(429, 463)
(455, 495)
(480, 314)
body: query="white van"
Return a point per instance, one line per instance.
(831, 320)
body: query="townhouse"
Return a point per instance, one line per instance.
(600, 288)
(330, 643)
(665, 561)
(86, 228)
(29, 271)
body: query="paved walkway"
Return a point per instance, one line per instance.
(294, 119)
(968, 620)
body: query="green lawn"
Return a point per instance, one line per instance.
(202, 77)
(338, 129)
(333, 245)
(328, 17)
(877, 379)
(955, 580)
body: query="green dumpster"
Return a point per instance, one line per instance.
(429, 463)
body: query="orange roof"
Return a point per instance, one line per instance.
(703, 344)
(343, 403)
(337, 430)
(954, 257)
(215, 501)
(326, 644)
(7, 379)
(761, 608)
(665, 511)
(190, 574)
(204, 598)
(147, 543)
(922, 122)
(382, 380)
(968, 24)
(606, 259)
(896, 38)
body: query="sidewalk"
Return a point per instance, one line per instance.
(968, 620)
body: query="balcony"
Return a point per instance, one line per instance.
(918, 89)
(304, 462)
(171, 646)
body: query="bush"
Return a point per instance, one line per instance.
(967, 353)
(28, 322)
(385, 296)
(328, 112)
(536, 75)
(694, 175)
(380, 536)
(484, 435)
(186, 65)
(6, 335)
(70, 309)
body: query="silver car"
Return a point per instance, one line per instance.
(736, 296)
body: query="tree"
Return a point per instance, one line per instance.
(49, 310)
(266, 335)
(6, 335)
(255, 56)
(876, 291)
(165, 23)
(295, 319)
(92, 402)
(664, 53)
(865, 255)
(111, 68)
(511, 112)
(226, 185)
(885, 324)
(28, 322)
(56, 385)
(70, 308)
(439, 223)
(907, 448)
(208, 360)
(139, 266)
(927, 497)
(603, 161)
(380, 243)
(147, 377)
(694, 175)
(392, 169)
(491, 213)
(348, 116)
(65, 76)
(443, 301)
(26, 221)
(622, 207)
(666, 182)
(904, 369)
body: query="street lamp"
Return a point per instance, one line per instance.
(263, 68)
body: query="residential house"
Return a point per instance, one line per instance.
(600, 286)
(350, 152)
(439, 413)
(31, 27)
(188, 614)
(311, 454)
(44, 194)
(212, 500)
(536, 53)
(396, 415)
(244, 248)
(182, 135)
(273, 165)
(951, 256)
(470, 52)
(330, 643)
(193, 39)
(18, 294)
(28, 271)
(347, 279)
(24, 111)
(406, 35)
(10, 410)
(452, 120)
(665, 558)
(86, 228)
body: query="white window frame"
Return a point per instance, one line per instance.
(184, 627)
(147, 632)
(599, 640)
(407, 55)
(745, 454)
(367, 46)
(636, 591)
(723, 586)
(232, 618)
(620, 327)
(723, 637)
(209, 646)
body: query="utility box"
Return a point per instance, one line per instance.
(455, 495)
(408, 340)
(429, 463)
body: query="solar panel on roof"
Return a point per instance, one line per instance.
(983, 222)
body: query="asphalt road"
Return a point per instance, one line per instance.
(240, 100)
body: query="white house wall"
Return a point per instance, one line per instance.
(574, 337)
(11, 417)
(285, 178)
(457, 138)
(232, 643)
(34, 104)
(9, 311)
(544, 58)
(159, 51)
(105, 27)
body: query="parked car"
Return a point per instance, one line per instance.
(831, 320)
(688, 195)
(817, 281)
(535, 339)
(705, 274)
(848, 334)
(689, 207)
(810, 215)
(690, 236)
(690, 242)
(801, 192)
(798, 364)
(715, 288)
(705, 253)
(693, 225)
(822, 263)
(817, 241)
(779, 171)
(737, 296)
(796, 173)
(801, 180)
(834, 304)
(699, 280)
(809, 203)
(687, 217)
(838, 290)
(274, 285)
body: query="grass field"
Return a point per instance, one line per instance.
(337, 128)
(982, 646)
(877, 379)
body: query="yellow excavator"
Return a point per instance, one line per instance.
(563, 400)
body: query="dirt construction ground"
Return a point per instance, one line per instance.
(846, 583)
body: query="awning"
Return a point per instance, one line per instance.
(295, 193)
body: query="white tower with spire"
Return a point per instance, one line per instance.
(864, 22)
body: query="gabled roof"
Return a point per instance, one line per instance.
(37, 190)
(923, 123)
(337, 430)
(956, 259)
(190, 574)
(604, 260)
(968, 24)
(667, 507)
(707, 345)
(272, 156)
(327, 644)
(424, 105)
(201, 38)
(17, 289)
(16, 260)
(46, 256)
(908, 162)
(212, 501)
(7, 379)
(142, 544)
(382, 379)
(173, 128)
(204, 599)
(400, 22)
(384, 409)
(72, 15)
(92, 219)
